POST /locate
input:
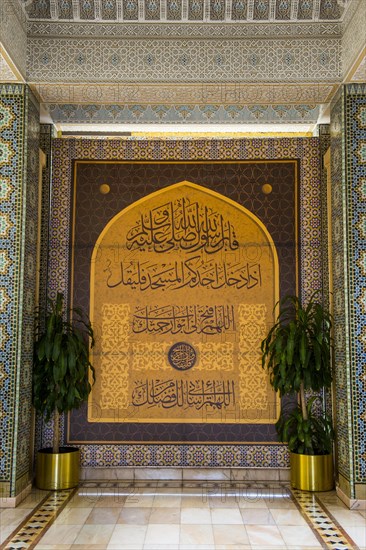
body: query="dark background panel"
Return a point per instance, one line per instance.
(129, 182)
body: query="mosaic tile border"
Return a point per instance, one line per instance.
(355, 121)
(19, 132)
(66, 150)
(324, 137)
(12, 129)
(45, 143)
(28, 274)
(340, 295)
(46, 136)
(187, 456)
(348, 146)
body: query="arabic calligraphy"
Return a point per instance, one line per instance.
(183, 393)
(193, 272)
(182, 356)
(175, 319)
(183, 225)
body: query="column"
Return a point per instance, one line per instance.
(19, 157)
(348, 177)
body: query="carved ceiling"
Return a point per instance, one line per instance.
(186, 10)
(179, 62)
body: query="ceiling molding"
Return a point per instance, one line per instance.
(212, 63)
(184, 30)
(182, 114)
(177, 93)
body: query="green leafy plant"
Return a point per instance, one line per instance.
(297, 354)
(312, 435)
(62, 372)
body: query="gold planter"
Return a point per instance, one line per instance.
(312, 473)
(56, 471)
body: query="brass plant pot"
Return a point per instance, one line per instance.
(312, 473)
(57, 471)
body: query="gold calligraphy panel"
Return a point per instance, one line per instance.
(183, 286)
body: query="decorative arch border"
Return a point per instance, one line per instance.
(66, 151)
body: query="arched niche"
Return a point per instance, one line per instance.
(182, 291)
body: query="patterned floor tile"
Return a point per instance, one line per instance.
(295, 520)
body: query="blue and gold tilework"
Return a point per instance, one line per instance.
(184, 455)
(348, 150)
(355, 120)
(340, 293)
(19, 129)
(11, 167)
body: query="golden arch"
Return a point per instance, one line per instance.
(182, 289)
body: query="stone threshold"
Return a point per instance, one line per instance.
(185, 474)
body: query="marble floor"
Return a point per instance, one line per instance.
(176, 516)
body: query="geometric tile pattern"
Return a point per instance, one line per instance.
(340, 293)
(349, 249)
(182, 30)
(46, 135)
(19, 130)
(28, 274)
(11, 171)
(325, 526)
(45, 143)
(184, 60)
(63, 154)
(185, 455)
(355, 121)
(167, 114)
(324, 137)
(34, 527)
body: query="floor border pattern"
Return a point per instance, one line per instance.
(34, 526)
(325, 526)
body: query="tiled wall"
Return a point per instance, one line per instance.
(45, 144)
(348, 148)
(19, 142)
(304, 149)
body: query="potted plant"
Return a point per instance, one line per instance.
(297, 355)
(62, 379)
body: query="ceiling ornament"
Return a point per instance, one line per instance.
(186, 10)
(173, 94)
